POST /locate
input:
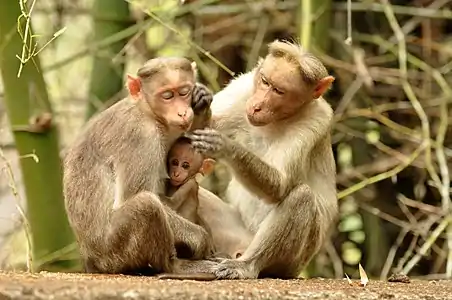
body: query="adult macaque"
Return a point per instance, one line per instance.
(111, 181)
(272, 128)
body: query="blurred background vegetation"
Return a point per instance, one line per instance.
(391, 132)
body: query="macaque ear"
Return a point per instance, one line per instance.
(323, 85)
(134, 86)
(207, 166)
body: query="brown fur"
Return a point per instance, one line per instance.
(279, 149)
(111, 182)
(182, 187)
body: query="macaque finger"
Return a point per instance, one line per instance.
(203, 147)
(208, 135)
(202, 98)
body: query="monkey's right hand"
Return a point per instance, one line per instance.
(201, 98)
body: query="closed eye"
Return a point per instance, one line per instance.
(277, 91)
(167, 95)
(184, 91)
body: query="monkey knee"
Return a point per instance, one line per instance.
(142, 218)
(143, 206)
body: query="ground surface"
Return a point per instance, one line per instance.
(86, 286)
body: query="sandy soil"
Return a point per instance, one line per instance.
(87, 286)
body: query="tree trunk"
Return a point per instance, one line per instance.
(24, 97)
(107, 75)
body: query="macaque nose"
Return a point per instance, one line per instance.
(182, 114)
(175, 174)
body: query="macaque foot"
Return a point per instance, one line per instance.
(234, 269)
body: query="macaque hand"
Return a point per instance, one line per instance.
(201, 98)
(209, 142)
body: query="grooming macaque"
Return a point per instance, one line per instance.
(111, 181)
(271, 126)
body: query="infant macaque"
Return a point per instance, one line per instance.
(183, 164)
(181, 191)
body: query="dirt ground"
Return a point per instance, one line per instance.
(87, 286)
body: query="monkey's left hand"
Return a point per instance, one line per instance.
(209, 141)
(201, 98)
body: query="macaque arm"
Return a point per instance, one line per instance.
(269, 182)
(228, 105)
(179, 196)
(263, 179)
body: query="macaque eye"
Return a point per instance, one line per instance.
(264, 81)
(279, 92)
(175, 162)
(167, 95)
(184, 91)
(186, 165)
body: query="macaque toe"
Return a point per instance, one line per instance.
(234, 269)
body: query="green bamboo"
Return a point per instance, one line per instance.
(314, 24)
(314, 21)
(106, 75)
(25, 96)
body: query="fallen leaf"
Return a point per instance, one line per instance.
(348, 279)
(363, 275)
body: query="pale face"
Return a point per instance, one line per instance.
(278, 86)
(183, 163)
(170, 97)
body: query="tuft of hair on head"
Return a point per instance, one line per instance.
(158, 65)
(183, 140)
(311, 68)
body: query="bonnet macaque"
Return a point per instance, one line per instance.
(271, 126)
(111, 183)
(183, 164)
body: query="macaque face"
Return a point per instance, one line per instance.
(183, 163)
(167, 96)
(170, 98)
(278, 86)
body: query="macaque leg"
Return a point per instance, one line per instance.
(141, 235)
(228, 231)
(191, 240)
(137, 235)
(284, 242)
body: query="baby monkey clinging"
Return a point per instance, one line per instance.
(183, 164)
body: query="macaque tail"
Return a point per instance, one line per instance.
(185, 269)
